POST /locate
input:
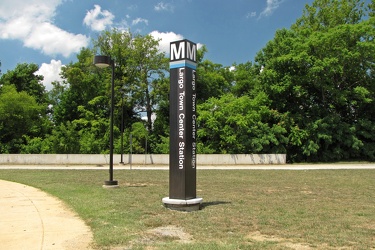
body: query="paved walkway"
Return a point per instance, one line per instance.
(31, 219)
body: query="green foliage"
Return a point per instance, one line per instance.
(213, 80)
(36, 145)
(159, 138)
(320, 73)
(92, 129)
(139, 67)
(240, 125)
(64, 139)
(19, 117)
(139, 138)
(83, 83)
(23, 77)
(246, 79)
(309, 94)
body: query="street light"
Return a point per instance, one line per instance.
(122, 126)
(103, 62)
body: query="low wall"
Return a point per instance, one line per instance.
(149, 159)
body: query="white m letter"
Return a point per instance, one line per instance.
(175, 55)
(191, 52)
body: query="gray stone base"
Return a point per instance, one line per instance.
(111, 184)
(183, 205)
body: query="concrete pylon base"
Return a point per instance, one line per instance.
(183, 205)
(111, 184)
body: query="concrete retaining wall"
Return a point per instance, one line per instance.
(154, 159)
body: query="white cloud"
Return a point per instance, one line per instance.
(40, 9)
(51, 73)
(31, 21)
(272, 5)
(167, 38)
(139, 20)
(51, 39)
(164, 7)
(97, 19)
(251, 14)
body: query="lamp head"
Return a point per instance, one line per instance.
(102, 61)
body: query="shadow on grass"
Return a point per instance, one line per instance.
(213, 203)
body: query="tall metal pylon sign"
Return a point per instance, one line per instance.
(183, 128)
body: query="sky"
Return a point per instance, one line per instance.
(51, 33)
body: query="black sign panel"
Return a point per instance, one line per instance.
(182, 155)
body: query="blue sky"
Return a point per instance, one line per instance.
(50, 33)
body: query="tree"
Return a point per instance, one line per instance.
(20, 116)
(213, 80)
(139, 64)
(23, 77)
(82, 83)
(235, 125)
(245, 79)
(81, 101)
(81, 108)
(27, 84)
(150, 65)
(139, 72)
(320, 73)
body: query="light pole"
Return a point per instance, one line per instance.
(103, 62)
(122, 126)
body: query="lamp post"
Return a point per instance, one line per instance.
(103, 62)
(122, 126)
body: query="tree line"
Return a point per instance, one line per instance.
(309, 93)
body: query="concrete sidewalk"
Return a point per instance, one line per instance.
(31, 219)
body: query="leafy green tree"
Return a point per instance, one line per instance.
(65, 139)
(150, 65)
(23, 77)
(80, 108)
(233, 125)
(139, 65)
(20, 116)
(139, 138)
(24, 80)
(82, 83)
(245, 79)
(159, 138)
(93, 129)
(139, 75)
(213, 80)
(81, 101)
(320, 73)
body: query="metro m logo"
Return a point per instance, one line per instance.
(183, 50)
(177, 54)
(191, 51)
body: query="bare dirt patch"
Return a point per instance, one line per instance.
(159, 235)
(126, 184)
(171, 232)
(258, 236)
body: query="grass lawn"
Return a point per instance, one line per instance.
(242, 209)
